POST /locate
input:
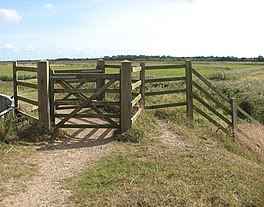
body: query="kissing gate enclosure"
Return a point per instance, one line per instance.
(97, 99)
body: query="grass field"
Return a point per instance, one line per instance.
(204, 67)
(171, 165)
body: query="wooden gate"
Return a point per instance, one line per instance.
(76, 99)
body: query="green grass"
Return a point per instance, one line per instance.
(15, 169)
(201, 170)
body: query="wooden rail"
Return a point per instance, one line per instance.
(132, 102)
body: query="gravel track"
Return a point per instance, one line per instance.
(58, 161)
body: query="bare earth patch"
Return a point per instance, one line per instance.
(252, 137)
(58, 161)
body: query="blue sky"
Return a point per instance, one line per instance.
(95, 28)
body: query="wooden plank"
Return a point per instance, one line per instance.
(69, 95)
(86, 102)
(211, 86)
(52, 101)
(78, 71)
(168, 79)
(15, 78)
(43, 96)
(211, 120)
(80, 91)
(159, 67)
(135, 117)
(155, 93)
(247, 115)
(93, 80)
(234, 116)
(83, 115)
(95, 103)
(113, 66)
(126, 96)
(84, 76)
(136, 100)
(27, 69)
(89, 126)
(69, 86)
(100, 82)
(26, 84)
(136, 69)
(189, 91)
(142, 87)
(28, 100)
(212, 109)
(166, 105)
(135, 85)
(212, 98)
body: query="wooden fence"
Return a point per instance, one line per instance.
(60, 90)
(42, 89)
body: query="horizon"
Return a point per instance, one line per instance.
(97, 28)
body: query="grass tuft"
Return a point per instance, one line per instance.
(132, 135)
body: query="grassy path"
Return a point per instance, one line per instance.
(56, 162)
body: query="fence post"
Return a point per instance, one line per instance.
(125, 96)
(142, 87)
(234, 116)
(189, 91)
(100, 82)
(43, 96)
(15, 87)
(52, 100)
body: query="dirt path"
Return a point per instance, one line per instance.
(58, 161)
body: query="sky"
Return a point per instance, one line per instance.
(50, 29)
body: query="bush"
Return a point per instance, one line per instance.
(132, 135)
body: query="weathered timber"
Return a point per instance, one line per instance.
(189, 91)
(166, 105)
(84, 76)
(43, 95)
(136, 100)
(142, 87)
(136, 85)
(126, 96)
(234, 116)
(212, 98)
(154, 93)
(211, 86)
(52, 101)
(159, 67)
(27, 100)
(27, 69)
(211, 120)
(86, 102)
(136, 69)
(212, 109)
(26, 84)
(80, 91)
(135, 117)
(83, 115)
(168, 79)
(78, 71)
(100, 82)
(15, 87)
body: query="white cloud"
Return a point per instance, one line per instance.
(9, 47)
(48, 6)
(9, 16)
